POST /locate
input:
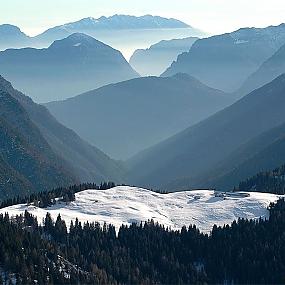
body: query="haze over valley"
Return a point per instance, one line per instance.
(140, 144)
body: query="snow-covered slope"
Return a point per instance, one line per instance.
(124, 205)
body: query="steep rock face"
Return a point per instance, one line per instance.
(187, 158)
(225, 61)
(68, 67)
(86, 162)
(155, 59)
(151, 109)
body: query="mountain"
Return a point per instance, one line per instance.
(68, 67)
(123, 32)
(155, 59)
(270, 69)
(129, 116)
(188, 157)
(225, 61)
(118, 22)
(27, 162)
(12, 37)
(83, 160)
(261, 153)
(127, 205)
(115, 22)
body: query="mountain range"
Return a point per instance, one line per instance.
(226, 61)
(181, 134)
(68, 67)
(155, 59)
(129, 116)
(38, 153)
(203, 154)
(115, 22)
(123, 32)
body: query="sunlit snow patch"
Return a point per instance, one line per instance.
(125, 205)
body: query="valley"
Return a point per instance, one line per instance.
(142, 142)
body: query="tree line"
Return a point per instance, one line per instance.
(266, 181)
(48, 198)
(247, 251)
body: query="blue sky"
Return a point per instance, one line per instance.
(213, 16)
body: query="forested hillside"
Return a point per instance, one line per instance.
(266, 181)
(27, 162)
(245, 252)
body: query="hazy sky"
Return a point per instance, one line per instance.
(213, 16)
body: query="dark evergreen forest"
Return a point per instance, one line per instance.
(245, 252)
(266, 181)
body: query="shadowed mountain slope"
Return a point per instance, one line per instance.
(84, 161)
(124, 118)
(194, 153)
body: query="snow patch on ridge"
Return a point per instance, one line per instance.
(125, 205)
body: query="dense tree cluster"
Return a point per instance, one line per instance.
(246, 252)
(267, 181)
(48, 198)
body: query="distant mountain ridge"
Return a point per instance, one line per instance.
(128, 116)
(68, 67)
(123, 22)
(155, 59)
(117, 22)
(122, 32)
(225, 61)
(12, 36)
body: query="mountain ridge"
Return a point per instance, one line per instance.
(53, 73)
(196, 150)
(85, 161)
(27, 161)
(159, 107)
(225, 61)
(155, 59)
